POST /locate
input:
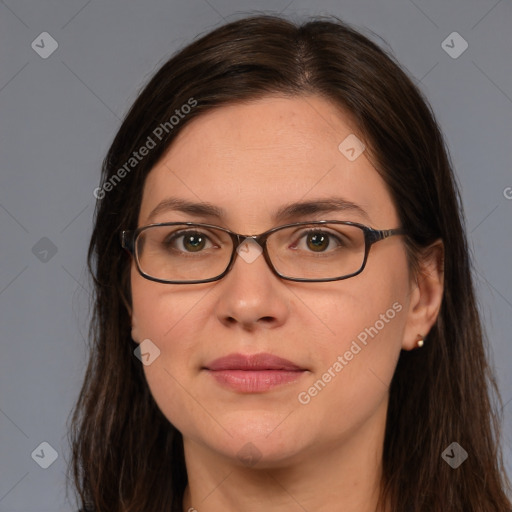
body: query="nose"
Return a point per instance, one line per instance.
(251, 294)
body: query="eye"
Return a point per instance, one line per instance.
(189, 241)
(319, 240)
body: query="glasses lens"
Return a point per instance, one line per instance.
(321, 251)
(183, 253)
(194, 253)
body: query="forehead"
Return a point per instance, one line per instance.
(250, 159)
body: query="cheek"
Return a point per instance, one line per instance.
(356, 358)
(369, 307)
(360, 333)
(163, 312)
(170, 319)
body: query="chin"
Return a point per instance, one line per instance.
(257, 443)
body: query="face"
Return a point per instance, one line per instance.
(344, 336)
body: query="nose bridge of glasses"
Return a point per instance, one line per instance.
(239, 239)
(256, 247)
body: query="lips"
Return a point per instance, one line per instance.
(254, 362)
(257, 373)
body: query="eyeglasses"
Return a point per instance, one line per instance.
(189, 253)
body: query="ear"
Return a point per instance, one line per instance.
(426, 295)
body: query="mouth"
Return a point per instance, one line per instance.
(253, 362)
(253, 373)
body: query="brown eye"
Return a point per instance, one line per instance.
(318, 241)
(191, 241)
(194, 242)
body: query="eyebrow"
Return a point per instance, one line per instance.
(284, 213)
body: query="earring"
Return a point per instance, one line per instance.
(420, 342)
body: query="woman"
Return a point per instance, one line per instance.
(334, 363)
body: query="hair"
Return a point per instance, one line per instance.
(126, 455)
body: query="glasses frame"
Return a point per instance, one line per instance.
(371, 236)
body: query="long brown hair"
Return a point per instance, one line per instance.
(126, 456)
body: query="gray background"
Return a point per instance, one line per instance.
(57, 119)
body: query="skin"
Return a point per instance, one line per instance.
(325, 455)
